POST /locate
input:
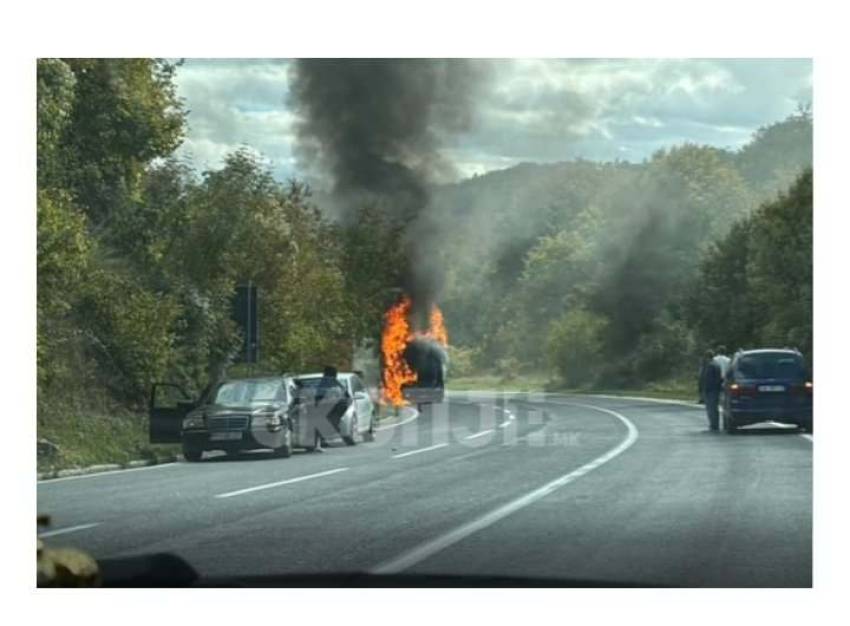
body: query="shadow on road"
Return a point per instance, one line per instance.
(258, 455)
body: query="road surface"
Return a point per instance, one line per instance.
(548, 488)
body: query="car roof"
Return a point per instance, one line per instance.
(252, 379)
(344, 375)
(769, 351)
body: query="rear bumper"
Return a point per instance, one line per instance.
(789, 415)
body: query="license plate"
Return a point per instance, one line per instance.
(225, 436)
(771, 388)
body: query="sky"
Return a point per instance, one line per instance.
(530, 111)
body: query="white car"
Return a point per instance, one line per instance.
(357, 423)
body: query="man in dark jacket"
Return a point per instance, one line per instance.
(332, 395)
(706, 359)
(712, 385)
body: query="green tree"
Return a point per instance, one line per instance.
(125, 113)
(575, 346)
(780, 269)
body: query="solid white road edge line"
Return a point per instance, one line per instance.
(70, 529)
(480, 434)
(510, 418)
(417, 451)
(806, 436)
(288, 481)
(430, 548)
(409, 419)
(46, 481)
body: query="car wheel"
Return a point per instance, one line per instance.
(808, 425)
(192, 454)
(370, 434)
(729, 424)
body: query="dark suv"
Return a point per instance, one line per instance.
(770, 384)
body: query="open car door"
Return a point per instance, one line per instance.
(169, 404)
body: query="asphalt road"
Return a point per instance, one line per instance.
(549, 488)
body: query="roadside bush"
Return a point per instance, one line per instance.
(461, 361)
(575, 346)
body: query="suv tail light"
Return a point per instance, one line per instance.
(736, 390)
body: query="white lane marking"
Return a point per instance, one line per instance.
(508, 421)
(690, 405)
(45, 481)
(409, 419)
(417, 451)
(64, 531)
(288, 481)
(480, 434)
(429, 548)
(806, 436)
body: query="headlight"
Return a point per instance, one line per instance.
(193, 421)
(272, 420)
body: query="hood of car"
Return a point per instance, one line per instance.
(219, 410)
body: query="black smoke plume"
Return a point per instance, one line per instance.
(375, 128)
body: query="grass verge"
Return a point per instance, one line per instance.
(675, 389)
(94, 439)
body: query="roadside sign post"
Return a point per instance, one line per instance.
(245, 315)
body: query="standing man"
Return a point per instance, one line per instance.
(332, 395)
(722, 359)
(712, 386)
(706, 359)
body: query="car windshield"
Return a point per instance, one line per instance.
(520, 271)
(247, 392)
(770, 365)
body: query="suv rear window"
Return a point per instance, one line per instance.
(770, 365)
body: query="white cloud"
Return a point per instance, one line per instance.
(535, 110)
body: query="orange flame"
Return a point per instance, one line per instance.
(396, 336)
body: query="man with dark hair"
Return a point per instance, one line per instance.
(332, 396)
(329, 384)
(706, 359)
(722, 359)
(712, 385)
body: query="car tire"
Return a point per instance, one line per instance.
(808, 425)
(370, 434)
(729, 424)
(351, 440)
(192, 454)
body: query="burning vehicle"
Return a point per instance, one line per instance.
(414, 362)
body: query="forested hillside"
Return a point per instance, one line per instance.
(607, 274)
(139, 255)
(610, 273)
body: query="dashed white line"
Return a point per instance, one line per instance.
(429, 548)
(280, 483)
(65, 531)
(418, 450)
(480, 434)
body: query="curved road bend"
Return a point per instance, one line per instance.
(543, 486)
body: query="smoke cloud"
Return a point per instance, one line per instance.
(375, 128)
